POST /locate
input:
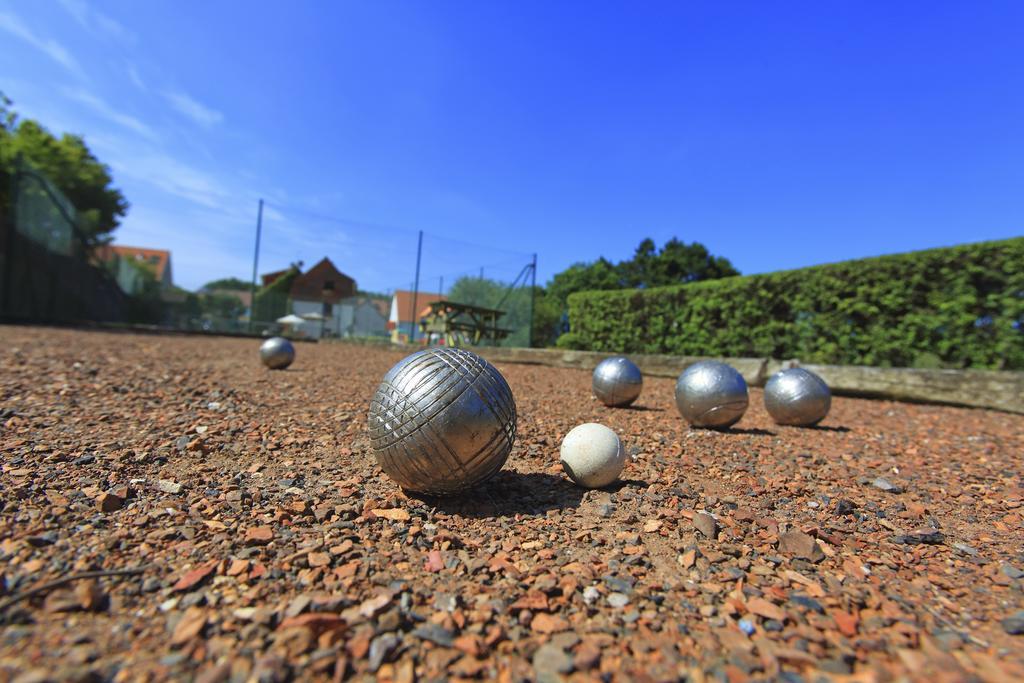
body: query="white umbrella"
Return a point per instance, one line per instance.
(291, 319)
(313, 316)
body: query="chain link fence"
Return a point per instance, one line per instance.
(46, 270)
(315, 276)
(323, 276)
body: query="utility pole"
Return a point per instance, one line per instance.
(416, 288)
(440, 286)
(255, 265)
(533, 296)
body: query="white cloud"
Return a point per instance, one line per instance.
(106, 111)
(135, 78)
(203, 246)
(171, 176)
(97, 23)
(196, 111)
(54, 50)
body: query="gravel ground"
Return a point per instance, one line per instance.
(884, 545)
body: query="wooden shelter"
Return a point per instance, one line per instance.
(458, 324)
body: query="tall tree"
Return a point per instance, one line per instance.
(70, 165)
(579, 277)
(233, 284)
(675, 263)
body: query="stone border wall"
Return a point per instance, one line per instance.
(972, 388)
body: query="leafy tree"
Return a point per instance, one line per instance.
(675, 263)
(224, 306)
(231, 284)
(70, 165)
(490, 293)
(581, 277)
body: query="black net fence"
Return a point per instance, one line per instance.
(315, 276)
(321, 276)
(46, 270)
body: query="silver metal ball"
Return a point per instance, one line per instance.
(442, 420)
(617, 381)
(277, 353)
(797, 397)
(711, 394)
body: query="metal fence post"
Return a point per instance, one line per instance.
(255, 262)
(533, 296)
(416, 288)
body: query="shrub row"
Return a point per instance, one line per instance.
(956, 307)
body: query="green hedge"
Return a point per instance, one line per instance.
(956, 307)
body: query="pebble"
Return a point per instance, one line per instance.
(845, 507)
(921, 537)
(168, 486)
(618, 585)
(885, 485)
(446, 602)
(1014, 624)
(435, 634)
(800, 545)
(706, 524)
(808, 602)
(1012, 572)
(259, 535)
(549, 661)
(109, 502)
(630, 594)
(618, 600)
(380, 649)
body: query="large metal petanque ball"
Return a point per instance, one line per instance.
(797, 397)
(277, 353)
(711, 394)
(617, 381)
(443, 420)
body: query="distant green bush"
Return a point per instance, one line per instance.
(956, 307)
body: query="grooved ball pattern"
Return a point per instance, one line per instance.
(442, 420)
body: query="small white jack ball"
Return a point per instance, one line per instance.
(592, 455)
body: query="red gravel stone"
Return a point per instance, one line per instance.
(274, 548)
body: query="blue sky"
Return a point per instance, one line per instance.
(778, 134)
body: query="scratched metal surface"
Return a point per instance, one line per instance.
(442, 420)
(797, 397)
(711, 394)
(617, 381)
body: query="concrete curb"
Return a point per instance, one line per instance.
(999, 390)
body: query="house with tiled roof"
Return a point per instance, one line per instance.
(403, 315)
(327, 299)
(130, 265)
